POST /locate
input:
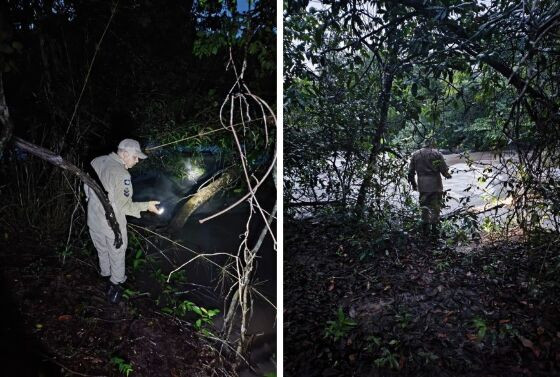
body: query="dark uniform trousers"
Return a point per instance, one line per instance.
(430, 206)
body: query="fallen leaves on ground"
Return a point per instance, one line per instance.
(421, 310)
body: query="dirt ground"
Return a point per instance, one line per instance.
(421, 309)
(56, 321)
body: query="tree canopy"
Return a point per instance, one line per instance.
(367, 80)
(84, 75)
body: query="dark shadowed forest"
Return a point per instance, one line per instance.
(368, 291)
(195, 83)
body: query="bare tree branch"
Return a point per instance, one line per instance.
(58, 161)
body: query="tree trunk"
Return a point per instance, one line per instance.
(381, 126)
(58, 161)
(5, 122)
(198, 199)
(246, 303)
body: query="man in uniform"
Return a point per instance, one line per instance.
(112, 171)
(429, 165)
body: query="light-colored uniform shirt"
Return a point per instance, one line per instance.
(429, 165)
(116, 181)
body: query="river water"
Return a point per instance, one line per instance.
(478, 182)
(472, 182)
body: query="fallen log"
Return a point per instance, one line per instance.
(199, 198)
(472, 210)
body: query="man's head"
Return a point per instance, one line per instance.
(429, 143)
(129, 150)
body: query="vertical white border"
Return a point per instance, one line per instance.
(279, 191)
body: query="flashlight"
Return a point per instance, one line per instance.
(160, 209)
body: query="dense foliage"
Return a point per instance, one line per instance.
(81, 76)
(367, 81)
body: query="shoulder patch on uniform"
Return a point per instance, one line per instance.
(126, 192)
(127, 182)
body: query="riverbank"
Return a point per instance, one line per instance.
(66, 327)
(59, 319)
(418, 309)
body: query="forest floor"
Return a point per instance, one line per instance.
(56, 321)
(419, 309)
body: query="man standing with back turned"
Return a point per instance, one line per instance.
(429, 165)
(112, 171)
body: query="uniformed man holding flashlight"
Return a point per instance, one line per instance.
(112, 171)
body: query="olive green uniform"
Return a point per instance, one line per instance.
(115, 178)
(428, 164)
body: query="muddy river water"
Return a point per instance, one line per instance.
(466, 171)
(478, 181)
(468, 179)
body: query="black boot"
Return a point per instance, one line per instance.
(114, 293)
(425, 229)
(434, 231)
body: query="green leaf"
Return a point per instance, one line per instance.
(213, 312)
(6, 49)
(17, 45)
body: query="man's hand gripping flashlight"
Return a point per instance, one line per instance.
(155, 207)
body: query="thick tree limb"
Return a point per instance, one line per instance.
(383, 106)
(45, 154)
(58, 161)
(198, 199)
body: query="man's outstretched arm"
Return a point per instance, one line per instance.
(412, 174)
(443, 168)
